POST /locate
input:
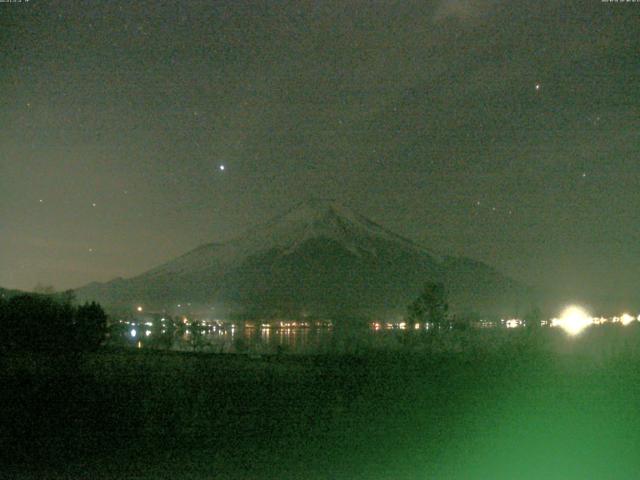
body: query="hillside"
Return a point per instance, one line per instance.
(319, 258)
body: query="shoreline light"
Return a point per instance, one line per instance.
(574, 320)
(626, 319)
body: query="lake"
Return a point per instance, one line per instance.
(259, 340)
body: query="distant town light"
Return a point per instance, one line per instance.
(133, 333)
(574, 320)
(147, 332)
(626, 319)
(512, 323)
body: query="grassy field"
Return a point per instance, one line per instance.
(474, 405)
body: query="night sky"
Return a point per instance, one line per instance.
(507, 131)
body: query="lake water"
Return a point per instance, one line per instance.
(261, 341)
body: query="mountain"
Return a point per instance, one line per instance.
(320, 258)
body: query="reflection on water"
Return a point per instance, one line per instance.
(296, 338)
(310, 337)
(260, 340)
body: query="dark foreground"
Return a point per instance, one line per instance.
(503, 406)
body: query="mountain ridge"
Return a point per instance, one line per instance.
(318, 257)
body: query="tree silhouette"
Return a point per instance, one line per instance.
(38, 322)
(430, 307)
(533, 318)
(90, 326)
(44, 289)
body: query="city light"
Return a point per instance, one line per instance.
(574, 320)
(626, 319)
(512, 323)
(133, 333)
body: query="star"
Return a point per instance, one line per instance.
(222, 168)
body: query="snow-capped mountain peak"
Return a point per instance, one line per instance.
(319, 256)
(314, 218)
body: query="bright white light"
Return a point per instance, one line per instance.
(139, 308)
(222, 168)
(147, 333)
(626, 319)
(573, 320)
(133, 332)
(512, 323)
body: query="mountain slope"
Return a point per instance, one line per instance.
(319, 258)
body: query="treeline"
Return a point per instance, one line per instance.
(50, 322)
